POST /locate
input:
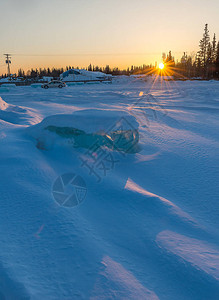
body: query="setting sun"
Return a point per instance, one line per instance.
(161, 66)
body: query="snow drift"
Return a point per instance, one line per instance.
(116, 130)
(17, 114)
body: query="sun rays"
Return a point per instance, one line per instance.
(164, 72)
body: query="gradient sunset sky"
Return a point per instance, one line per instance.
(46, 33)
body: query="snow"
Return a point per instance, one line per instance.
(146, 228)
(113, 129)
(199, 254)
(8, 85)
(91, 120)
(3, 104)
(16, 114)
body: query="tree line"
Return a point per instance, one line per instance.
(204, 64)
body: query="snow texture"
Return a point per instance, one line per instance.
(145, 227)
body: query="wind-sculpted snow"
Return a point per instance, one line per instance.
(124, 285)
(199, 254)
(141, 224)
(3, 104)
(173, 209)
(17, 115)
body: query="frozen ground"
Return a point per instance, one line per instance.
(147, 224)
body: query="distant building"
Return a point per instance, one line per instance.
(73, 75)
(47, 78)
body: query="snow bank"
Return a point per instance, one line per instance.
(74, 83)
(17, 114)
(8, 85)
(36, 85)
(114, 129)
(91, 121)
(3, 89)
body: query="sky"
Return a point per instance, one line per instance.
(47, 33)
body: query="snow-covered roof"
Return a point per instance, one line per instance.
(83, 72)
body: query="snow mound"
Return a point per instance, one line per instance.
(200, 254)
(91, 120)
(113, 129)
(16, 114)
(3, 104)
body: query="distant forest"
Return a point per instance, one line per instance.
(204, 64)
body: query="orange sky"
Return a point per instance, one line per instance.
(119, 33)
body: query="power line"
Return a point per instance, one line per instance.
(94, 54)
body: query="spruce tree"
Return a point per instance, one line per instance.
(217, 62)
(209, 61)
(203, 45)
(214, 48)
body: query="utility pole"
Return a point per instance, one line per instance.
(8, 62)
